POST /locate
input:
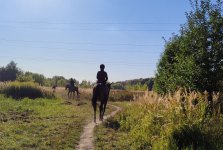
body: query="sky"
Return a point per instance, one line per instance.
(72, 38)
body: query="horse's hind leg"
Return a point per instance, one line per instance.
(77, 91)
(78, 96)
(101, 111)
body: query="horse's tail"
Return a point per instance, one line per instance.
(94, 98)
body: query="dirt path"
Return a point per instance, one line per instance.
(86, 141)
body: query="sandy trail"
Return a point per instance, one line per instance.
(86, 141)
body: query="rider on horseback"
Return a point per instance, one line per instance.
(101, 93)
(72, 83)
(102, 80)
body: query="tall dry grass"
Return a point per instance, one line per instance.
(169, 122)
(186, 100)
(20, 90)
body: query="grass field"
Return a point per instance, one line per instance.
(147, 121)
(44, 123)
(40, 123)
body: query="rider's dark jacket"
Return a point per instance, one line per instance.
(72, 83)
(102, 77)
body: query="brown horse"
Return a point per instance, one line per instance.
(72, 90)
(101, 93)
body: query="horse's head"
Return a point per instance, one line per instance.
(67, 86)
(109, 86)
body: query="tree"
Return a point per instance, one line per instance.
(9, 72)
(55, 79)
(24, 78)
(176, 68)
(86, 84)
(38, 78)
(117, 86)
(62, 82)
(194, 58)
(33, 77)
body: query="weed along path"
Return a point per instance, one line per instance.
(86, 141)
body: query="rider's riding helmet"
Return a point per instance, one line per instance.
(102, 66)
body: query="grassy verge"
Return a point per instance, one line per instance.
(162, 123)
(108, 135)
(41, 123)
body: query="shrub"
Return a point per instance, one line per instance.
(121, 96)
(112, 123)
(2, 86)
(20, 90)
(189, 137)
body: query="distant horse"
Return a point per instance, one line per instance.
(54, 88)
(101, 93)
(72, 90)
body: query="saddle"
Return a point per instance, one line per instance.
(101, 87)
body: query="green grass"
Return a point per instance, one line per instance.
(110, 139)
(44, 123)
(108, 135)
(41, 123)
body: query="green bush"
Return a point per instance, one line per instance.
(112, 123)
(20, 90)
(189, 137)
(121, 96)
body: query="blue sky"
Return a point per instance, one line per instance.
(73, 37)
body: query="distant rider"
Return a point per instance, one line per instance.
(72, 83)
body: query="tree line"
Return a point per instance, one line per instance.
(11, 72)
